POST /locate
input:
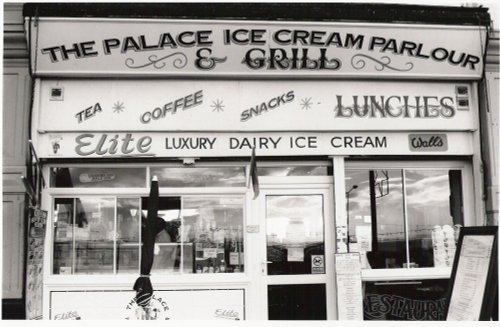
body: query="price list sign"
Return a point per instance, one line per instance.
(471, 276)
(349, 290)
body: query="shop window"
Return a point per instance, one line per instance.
(97, 177)
(83, 229)
(128, 221)
(213, 228)
(200, 176)
(404, 218)
(102, 235)
(405, 300)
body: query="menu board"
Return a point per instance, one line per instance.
(349, 290)
(34, 268)
(474, 279)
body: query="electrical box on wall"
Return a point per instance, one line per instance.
(56, 94)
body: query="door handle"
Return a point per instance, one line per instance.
(263, 266)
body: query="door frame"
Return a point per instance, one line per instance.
(295, 186)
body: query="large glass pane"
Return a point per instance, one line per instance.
(213, 227)
(199, 176)
(94, 235)
(405, 300)
(297, 302)
(434, 202)
(294, 229)
(128, 223)
(63, 236)
(90, 177)
(375, 215)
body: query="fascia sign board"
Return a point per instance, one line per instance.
(251, 106)
(157, 144)
(139, 47)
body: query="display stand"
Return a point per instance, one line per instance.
(473, 286)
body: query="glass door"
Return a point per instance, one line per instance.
(297, 254)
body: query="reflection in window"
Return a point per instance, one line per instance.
(63, 236)
(213, 226)
(375, 216)
(84, 235)
(94, 234)
(200, 176)
(97, 235)
(294, 227)
(383, 204)
(128, 222)
(434, 201)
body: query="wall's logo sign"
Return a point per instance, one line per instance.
(156, 310)
(227, 314)
(70, 315)
(428, 142)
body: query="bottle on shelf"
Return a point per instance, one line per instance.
(211, 268)
(222, 266)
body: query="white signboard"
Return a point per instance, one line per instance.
(175, 305)
(349, 291)
(250, 106)
(107, 47)
(155, 144)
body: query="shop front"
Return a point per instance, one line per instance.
(366, 142)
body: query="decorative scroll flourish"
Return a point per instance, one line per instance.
(208, 63)
(384, 62)
(179, 60)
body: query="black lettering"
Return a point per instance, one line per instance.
(108, 44)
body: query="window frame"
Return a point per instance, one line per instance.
(124, 280)
(401, 274)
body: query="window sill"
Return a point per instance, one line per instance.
(368, 275)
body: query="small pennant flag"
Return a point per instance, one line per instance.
(254, 178)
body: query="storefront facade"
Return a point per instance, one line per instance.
(367, 142)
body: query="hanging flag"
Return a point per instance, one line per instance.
(254, 178)
(142, 286)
